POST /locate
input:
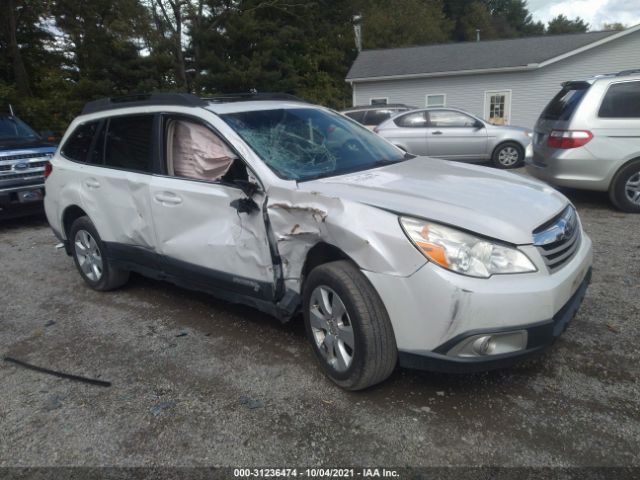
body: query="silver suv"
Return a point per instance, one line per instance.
(588, 137)
(292, 208)
(453, 134)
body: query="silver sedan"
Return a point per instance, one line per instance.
(454, 134)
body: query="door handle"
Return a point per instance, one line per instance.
(437, 132)
(167, 198)
(91, 183)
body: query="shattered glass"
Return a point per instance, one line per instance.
(305, 143)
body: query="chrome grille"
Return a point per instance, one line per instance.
(30, 174)
(558, 239)
(6, 168)
(24, 156)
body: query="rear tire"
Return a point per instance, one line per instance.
(91, 258)
(625, 188)
(508, 155)
(348, 326)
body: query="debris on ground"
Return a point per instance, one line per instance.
(612, 328)
(182, 334)
(53, 402)
(251, 403)
(68, 376)
(162, 406)
(50, 323)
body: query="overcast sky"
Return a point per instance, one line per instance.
(594, 12)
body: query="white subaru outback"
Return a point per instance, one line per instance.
(289, 207)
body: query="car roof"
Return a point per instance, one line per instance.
(376, 107)
(632, 74)
(219, 103)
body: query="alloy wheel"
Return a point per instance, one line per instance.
(632, 189)
(508, 156)
(88, 255)
(332, 328)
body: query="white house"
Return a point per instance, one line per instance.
(503, 81)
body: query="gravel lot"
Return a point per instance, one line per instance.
(197, 381)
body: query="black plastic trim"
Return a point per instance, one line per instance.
(144, 100)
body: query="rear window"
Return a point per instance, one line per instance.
(376, 117)
(622, 100)
(79, 143)
(128, 143)
(357, 116)
(412, 120)
(566, 101)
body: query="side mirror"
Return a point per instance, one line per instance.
(478, 124)
(249, 188)
(244, 205)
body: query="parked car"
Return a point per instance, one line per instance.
(373, 115)
(454, 134)
(453, 267)
(588, 137)
(23, 156)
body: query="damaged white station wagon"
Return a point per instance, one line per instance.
(289, 207)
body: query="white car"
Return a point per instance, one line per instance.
(290, 207)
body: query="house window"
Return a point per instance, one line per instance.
(439, 100)
(378, 101)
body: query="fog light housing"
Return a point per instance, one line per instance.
(488, 344)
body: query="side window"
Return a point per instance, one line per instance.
(412, 120)
(449, 118)
(376, 117)
(129, 142)
(194, 151)
(357, 116)
(79, 143)
(622, 100)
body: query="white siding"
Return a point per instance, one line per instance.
(531, 91)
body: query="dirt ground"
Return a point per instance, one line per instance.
(196, 381)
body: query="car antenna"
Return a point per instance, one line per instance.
(11, 111)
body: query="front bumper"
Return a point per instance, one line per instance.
(539, 337)
(434, 309)
(14, 204)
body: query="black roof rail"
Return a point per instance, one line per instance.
(627, 72)
(143, 99)
(252, 95)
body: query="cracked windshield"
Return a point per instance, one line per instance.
(307, 143)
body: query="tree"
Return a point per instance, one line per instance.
(470, 17)
(614, 26)
(562, 24)
(513, 19)
(171, 17)
(403, 23)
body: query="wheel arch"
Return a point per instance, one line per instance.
(505, 141)
(70, 215)
(614, 177)
(321, 253)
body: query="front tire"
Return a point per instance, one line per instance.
(91, 259)
(625, 188)
(348, 326)
(508, 155)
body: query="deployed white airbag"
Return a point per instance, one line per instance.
(197, 152)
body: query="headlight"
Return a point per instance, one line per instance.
(529, 134)
(464, 253)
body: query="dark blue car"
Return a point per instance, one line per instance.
(23, 157)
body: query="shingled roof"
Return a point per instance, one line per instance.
(470, 56)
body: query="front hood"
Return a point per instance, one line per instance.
(19, 144)
(490, 202)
